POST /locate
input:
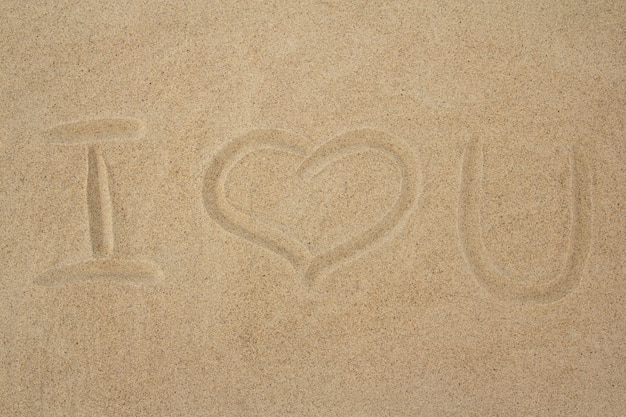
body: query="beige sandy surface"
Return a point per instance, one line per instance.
(312, 208)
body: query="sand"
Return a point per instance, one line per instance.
(312, 208)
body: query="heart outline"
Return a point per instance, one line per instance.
(297, 254)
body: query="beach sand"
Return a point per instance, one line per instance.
(312, 208)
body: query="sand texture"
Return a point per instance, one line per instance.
(341, 208)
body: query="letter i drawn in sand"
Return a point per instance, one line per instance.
(105, 265)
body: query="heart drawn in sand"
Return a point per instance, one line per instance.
(263, 233)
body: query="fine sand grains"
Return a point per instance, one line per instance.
(312, 209)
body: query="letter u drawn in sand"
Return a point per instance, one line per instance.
(470, 234)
